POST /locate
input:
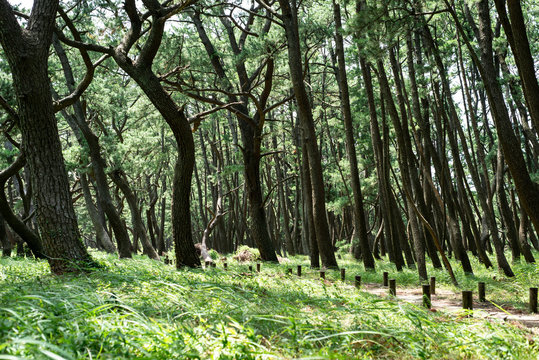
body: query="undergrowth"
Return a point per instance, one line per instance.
(144, 309)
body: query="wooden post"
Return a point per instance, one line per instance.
(343, 274)
(358, 281)
(393, 287)
(433, 285)
(251, 268)
(299, 270)
(289, 271)
(467, 300)
(481, 291)
(533, 300)
(426, 296)
(386, 276)
(322, 274)
(257, 267)
(207, 264)
(225, 265)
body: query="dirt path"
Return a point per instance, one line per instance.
(450, 302)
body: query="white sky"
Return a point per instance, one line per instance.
(25, 3)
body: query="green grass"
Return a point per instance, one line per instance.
(143, 309)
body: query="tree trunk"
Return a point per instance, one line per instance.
(27, 52)
(323, 238)
(119, 178)
(78, 123)
(101, 234)
(359, 211)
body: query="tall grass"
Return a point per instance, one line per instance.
(143, 309)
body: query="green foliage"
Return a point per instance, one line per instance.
(214, 254)
(143, 309)
(245, 252)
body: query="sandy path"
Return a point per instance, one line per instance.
(450, 302)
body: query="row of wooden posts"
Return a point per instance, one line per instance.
(428, 289)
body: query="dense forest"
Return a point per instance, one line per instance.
(391, 134)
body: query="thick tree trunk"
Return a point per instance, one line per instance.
(27, 52)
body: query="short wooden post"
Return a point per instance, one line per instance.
(225, 265)
(533, 300)
(393, 287)
(481, 291)
(358, 281)
(257, 267)
(343, 274)
(386, 277)
(322, 274)
(433, 285)
(467, 300)
(299, 270)
(426, 296)
(251, 268)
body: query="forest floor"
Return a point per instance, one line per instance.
(144, 309)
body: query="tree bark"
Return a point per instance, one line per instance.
(359, 211)
(27, 52)
(323, 238)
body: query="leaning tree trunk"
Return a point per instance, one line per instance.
(528, 190)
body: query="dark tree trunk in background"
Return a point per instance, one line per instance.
(5, 242)
(27, 52)
(101, 234)
(139, 230)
